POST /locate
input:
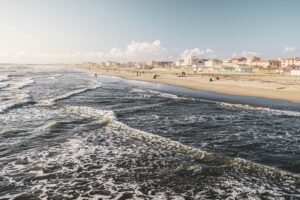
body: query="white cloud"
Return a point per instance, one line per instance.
(250, 53)
(209, 51)
(197, 52)
(289, 49)
(137, 51)
(141, 51)
(246, 54)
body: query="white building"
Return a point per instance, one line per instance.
(213, 63)
(191, 60)
(179, 63)
(295, 72)
(290, 62)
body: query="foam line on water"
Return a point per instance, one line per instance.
(20, 100)
(237, 163)
(158, 93)
(110, 119)
(5, 108)
(24, 83)
(268, 110)
(4, 78)
(68, 95)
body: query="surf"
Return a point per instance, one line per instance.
(109, 118)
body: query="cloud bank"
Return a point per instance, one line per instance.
(134, 51)
(289, 49)
(197, 52)
(246, 53)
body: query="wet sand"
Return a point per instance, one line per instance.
(266, 86)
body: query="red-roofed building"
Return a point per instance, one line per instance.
(267, 63)
(290, 62)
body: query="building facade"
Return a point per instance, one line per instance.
(213, 63)
(191, 60)
(162, 64)
(267, 63)
(290, 62)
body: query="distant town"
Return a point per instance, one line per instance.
(251, 65)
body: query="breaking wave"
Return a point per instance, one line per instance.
(5, 108)
(68, 95)
(268, 110)
(4, 78)
(20, 100)
(109, 118)
(160, 94)
(22, 84)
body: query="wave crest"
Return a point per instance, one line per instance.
(108, 117)
(269, 110)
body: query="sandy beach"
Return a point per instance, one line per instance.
(267, 86)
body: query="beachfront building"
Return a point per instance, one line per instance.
(191, 60)
(239, 60)
(228, 63)
(290, 62)
(236, 62)
(179, 63)
(267, 63)
(162, 64)
(251, 60)
(245, 69)
(111, 64)
(295, 72)
(201, 62)
(213, 63)
(227, 69)
(139, 65)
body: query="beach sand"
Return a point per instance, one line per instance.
(268, 86)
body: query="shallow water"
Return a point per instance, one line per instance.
(66, 134)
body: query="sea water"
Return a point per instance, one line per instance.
(65, 134)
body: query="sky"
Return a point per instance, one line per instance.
(49, 31)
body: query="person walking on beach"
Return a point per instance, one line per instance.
(155, 76)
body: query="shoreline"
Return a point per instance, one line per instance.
(285, 88)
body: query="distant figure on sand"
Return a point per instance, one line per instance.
(155, 76)
(211, 80)
(218, 78)
(183, 73)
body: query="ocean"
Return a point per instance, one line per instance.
(67, 134)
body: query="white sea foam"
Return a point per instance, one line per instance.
(4, 78)
(69, 94)
(22, 84)
(161, 94)
(267, 110)
(18, 100)
(3, 85)
(76, 158)
(13, 94)
(8, 106)
(109, 118)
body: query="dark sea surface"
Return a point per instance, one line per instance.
(66, 134)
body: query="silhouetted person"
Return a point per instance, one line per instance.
(210, 79)
(218, 78)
